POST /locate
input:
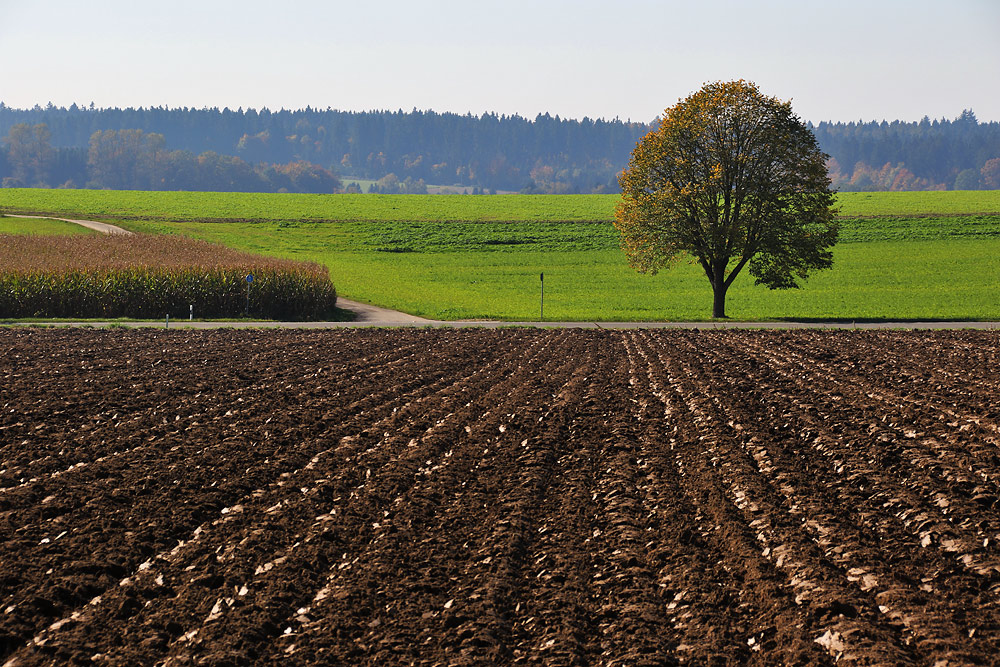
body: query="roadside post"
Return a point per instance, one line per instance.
(249, 280)
(191, 312)
(541, 306)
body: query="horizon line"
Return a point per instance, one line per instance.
(310, 109)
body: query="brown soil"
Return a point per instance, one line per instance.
(477, 496)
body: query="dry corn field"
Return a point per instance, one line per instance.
(150, 276)
(510, 496)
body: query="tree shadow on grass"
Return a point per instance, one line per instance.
(342, 315)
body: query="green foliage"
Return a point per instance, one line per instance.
(733, 179)
(29, 154)
(907, 156)
(125, 159)
(968, 179)
(499, 153)
(131, 159)
(507, 153)
(931, 276)
(901, 255)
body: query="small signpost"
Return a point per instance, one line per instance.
(249, 280)
(541, 308)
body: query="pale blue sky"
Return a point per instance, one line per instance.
(836, 60)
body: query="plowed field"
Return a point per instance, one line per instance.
(499, 496)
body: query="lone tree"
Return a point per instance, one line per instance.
(731, 178)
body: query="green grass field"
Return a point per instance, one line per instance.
(40, 227)
(956, 202)
(209, 206)
(933, 255)
(212, 206)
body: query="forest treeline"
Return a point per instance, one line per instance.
(311, 150)
(960, 154)
(131, 159)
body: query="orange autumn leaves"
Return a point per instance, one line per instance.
(732, 178)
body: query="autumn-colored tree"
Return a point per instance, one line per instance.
(991, 174)
(305, 176)
(254, 148)
(732, 179)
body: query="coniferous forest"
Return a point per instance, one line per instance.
(311, 150)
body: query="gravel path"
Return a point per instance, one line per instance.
(102, 227)
(373, 315)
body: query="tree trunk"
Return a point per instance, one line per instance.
(719, 299)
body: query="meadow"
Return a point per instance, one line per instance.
(255, 207)
(41, 227)
(922, 255)
(249, 206)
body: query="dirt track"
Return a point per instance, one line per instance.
(102, 227)
(518, 496)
